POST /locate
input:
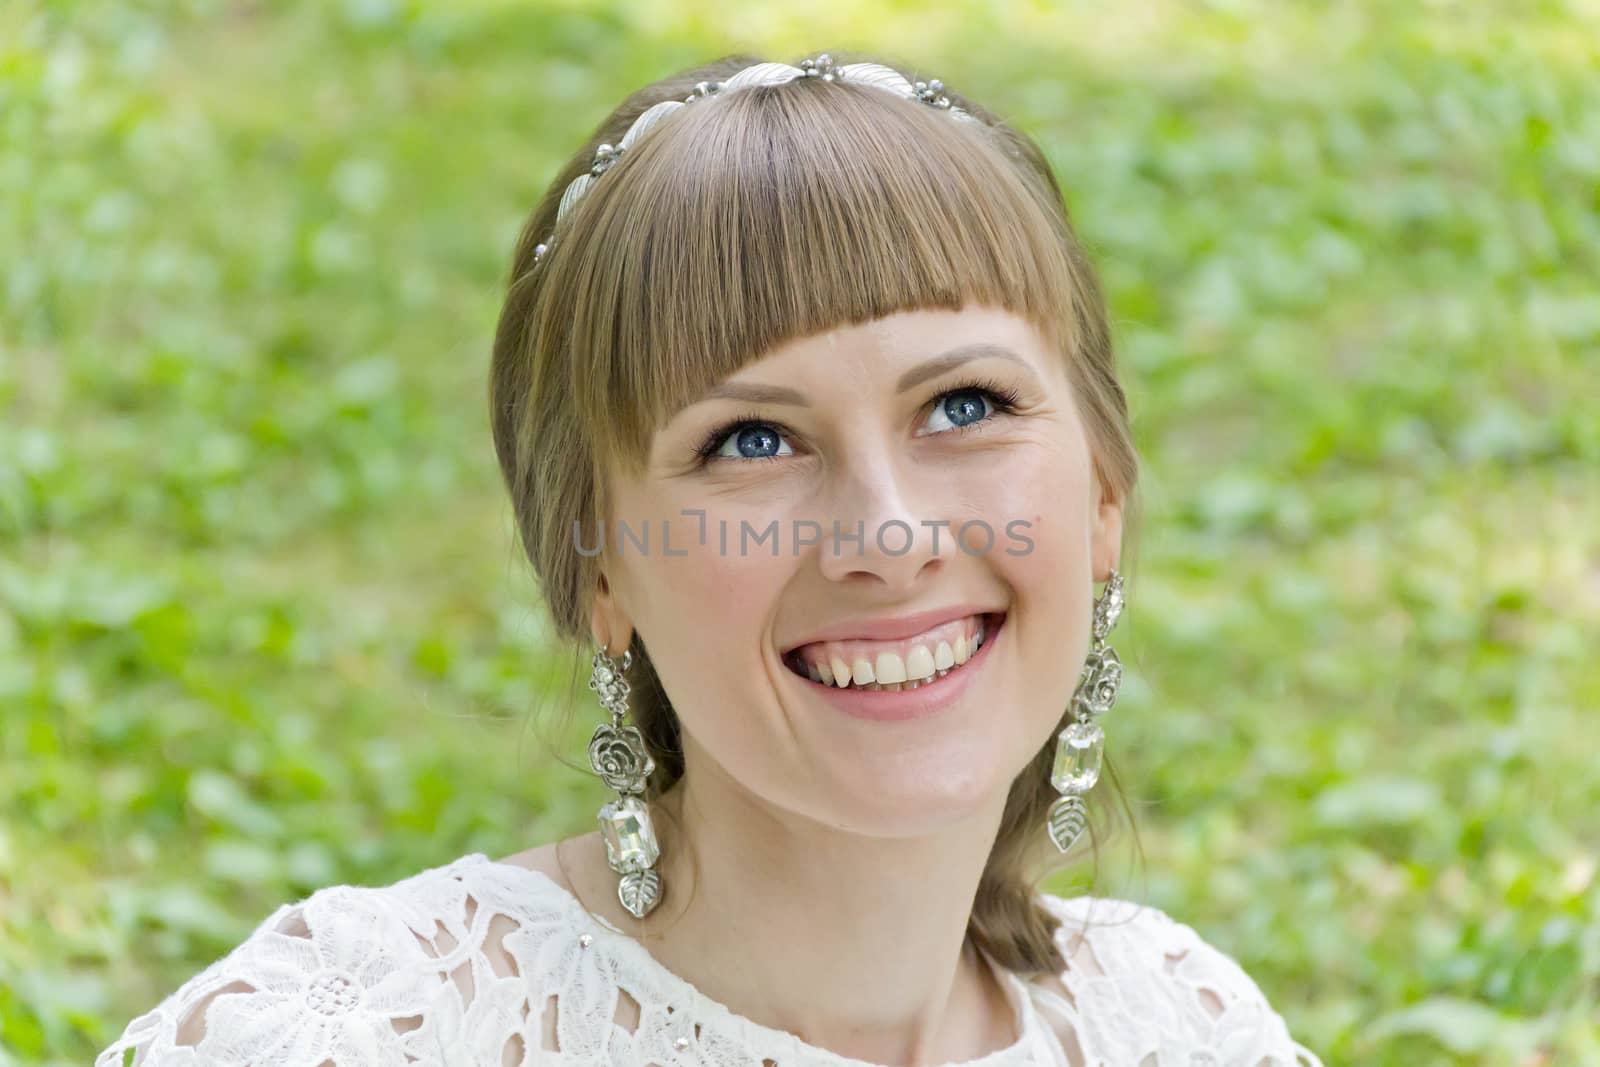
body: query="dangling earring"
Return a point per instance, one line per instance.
(1080, 745)
(618, 755)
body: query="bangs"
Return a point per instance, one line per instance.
(774, 213)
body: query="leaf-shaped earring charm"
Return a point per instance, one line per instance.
(639, 891)
(1066, 821)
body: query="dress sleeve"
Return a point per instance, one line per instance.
(1143, 988)
(337, 977)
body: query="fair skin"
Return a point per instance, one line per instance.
(838, 857)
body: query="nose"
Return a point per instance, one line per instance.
(880, 532)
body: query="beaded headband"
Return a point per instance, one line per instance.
(874, 74)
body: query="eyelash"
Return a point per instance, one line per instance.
(1003, 398)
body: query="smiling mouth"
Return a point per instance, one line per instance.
(863, 666)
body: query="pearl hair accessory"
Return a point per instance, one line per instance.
(874, 74)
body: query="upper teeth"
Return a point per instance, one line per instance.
(934, 653)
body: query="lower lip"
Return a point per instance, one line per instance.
(885, 705)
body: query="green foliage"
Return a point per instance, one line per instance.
(262, 617)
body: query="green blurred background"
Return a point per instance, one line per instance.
(263, 626)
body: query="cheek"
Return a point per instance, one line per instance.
(1036, 499)
(705, 617)
(707, 608)
(714, 574)
(1044, 558)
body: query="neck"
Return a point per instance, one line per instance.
(853, 943)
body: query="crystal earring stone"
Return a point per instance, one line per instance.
(1078, 756)
(629, 835)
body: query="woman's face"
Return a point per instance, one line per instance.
(898, 430)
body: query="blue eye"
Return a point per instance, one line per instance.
(961, 408)
(754, 440)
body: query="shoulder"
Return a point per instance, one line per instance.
(1141, 983)
(351, 974)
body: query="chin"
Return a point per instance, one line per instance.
(906, 802)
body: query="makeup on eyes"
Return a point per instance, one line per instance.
(1003, 398)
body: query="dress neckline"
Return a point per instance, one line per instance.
(1028, 1047)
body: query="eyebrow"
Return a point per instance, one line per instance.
(930, 368)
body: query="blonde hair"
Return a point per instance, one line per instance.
(747, 220)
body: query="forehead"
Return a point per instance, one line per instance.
(903, 338)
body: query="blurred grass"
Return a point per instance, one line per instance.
(263, 627)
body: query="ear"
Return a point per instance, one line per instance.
(608, 623)
(1105, 549)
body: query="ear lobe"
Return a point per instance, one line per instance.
(1106, 550)
(608, 623)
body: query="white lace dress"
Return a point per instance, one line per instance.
(486, 964)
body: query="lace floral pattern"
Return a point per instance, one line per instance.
(1147, 990)
(487, 964)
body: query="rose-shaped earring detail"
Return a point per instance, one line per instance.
(618, 755)
(1080, 745)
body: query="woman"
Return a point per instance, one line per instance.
(804, 395)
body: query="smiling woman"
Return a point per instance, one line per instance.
(765, 298)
